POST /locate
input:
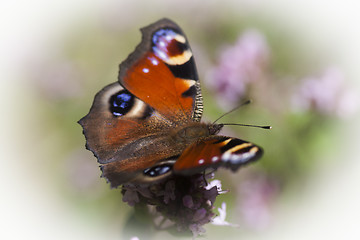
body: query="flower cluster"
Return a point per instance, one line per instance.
(240, 65)
(326, 94)
(255, 197)
(186, 203)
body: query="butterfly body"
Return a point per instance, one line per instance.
(147, 126)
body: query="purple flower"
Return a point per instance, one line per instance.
(188, 201)
(169, 193)
(185, 203)
(255, 197)
(326, 94)
(199, 214)
(212, 193)
(197, 230)
(131, 195)
(240, 65)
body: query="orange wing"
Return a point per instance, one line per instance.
(215, 151)
(162, 73)
(116, 119)
(125, 134)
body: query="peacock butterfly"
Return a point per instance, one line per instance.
(146, 126)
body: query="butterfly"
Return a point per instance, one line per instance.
(147, 127)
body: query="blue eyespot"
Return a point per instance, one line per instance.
(161, 41)
(121, 103)
(167, 34)
(158, 170)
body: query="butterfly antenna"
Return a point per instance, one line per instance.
(246, 125)
(232, 110)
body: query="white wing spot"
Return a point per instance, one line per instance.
(162, 44)
(226, 156)
(154, 62)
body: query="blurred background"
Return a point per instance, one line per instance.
(297, 61)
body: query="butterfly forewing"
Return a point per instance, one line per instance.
(125, 134)
(162, 73)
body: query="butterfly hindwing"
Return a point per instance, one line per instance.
(125, 134)
(216, 151)
(162, 72)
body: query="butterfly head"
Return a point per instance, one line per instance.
(215, 128)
